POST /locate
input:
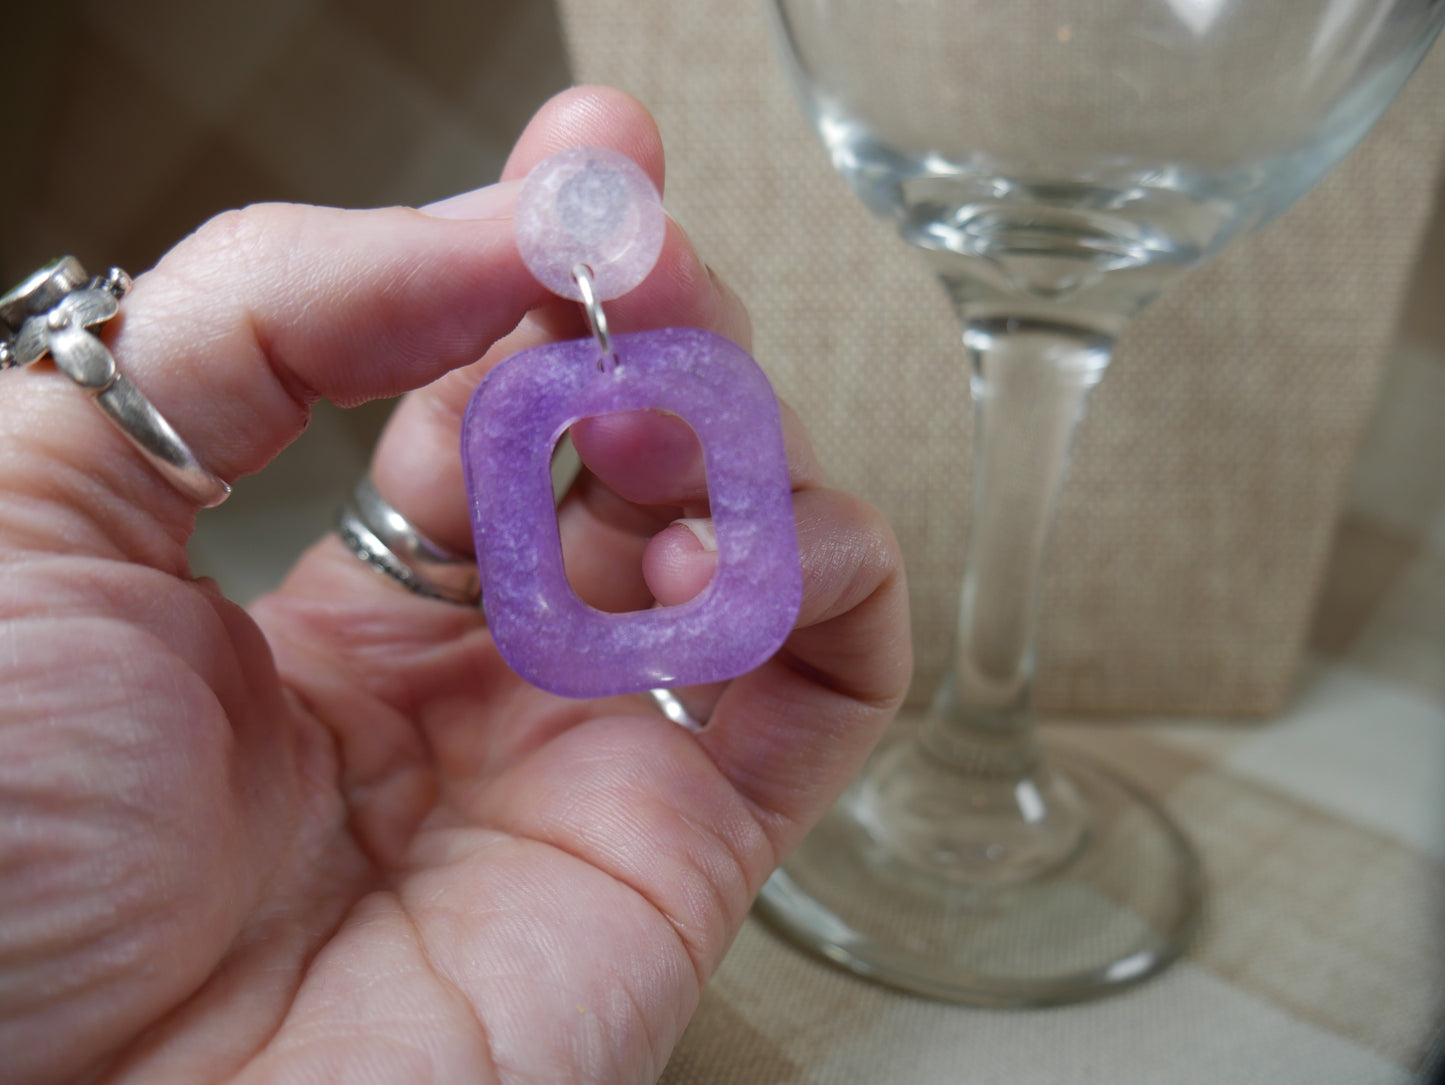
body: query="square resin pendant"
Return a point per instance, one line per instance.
(543, 630)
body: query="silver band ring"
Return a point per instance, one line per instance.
(388, 542)
(51, 313)
(391, 545)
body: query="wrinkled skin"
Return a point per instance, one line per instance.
(334, 838)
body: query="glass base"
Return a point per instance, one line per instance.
(1118, 907)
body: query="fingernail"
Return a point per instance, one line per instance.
(492, 202)
(703, 530)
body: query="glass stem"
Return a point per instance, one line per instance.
(1030, 380)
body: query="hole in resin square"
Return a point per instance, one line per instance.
(543, 630)
(613, 579)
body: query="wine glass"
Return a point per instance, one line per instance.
(1057, 163)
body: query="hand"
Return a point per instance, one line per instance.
(334, 838)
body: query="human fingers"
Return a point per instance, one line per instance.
(791, 734)
(237, 330)
(332, 601)
(416, 466)
(652, 458)
(647, 469)
(231, 337)
(693, 823)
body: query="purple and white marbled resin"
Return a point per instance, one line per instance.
(593, 206)
(542, 629)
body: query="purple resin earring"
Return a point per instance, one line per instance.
(589, 226)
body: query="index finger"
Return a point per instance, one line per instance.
(416, 466)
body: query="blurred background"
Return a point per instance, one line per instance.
(133, 122)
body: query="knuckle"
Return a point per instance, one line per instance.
(259, 238)
(855, 549)
(230, 234)
(880, 555)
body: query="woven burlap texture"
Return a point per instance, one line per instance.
(1207, 477)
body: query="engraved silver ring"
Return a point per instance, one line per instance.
(51, 314)
(388, 542)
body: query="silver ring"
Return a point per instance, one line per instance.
(388, 542)
(51, 313)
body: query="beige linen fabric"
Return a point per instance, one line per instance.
(1206, 480)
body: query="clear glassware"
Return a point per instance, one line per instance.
(1057, 163)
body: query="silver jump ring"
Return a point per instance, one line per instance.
(388, 542)
(51, 313)
(596, 318)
